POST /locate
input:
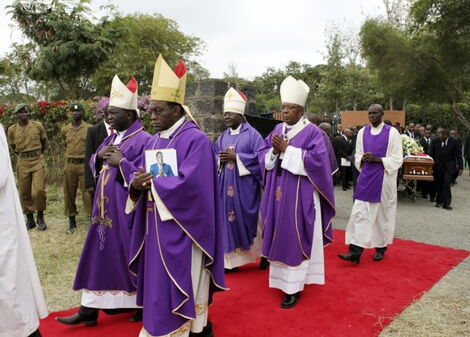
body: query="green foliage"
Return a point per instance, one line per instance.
(437, 114)
(429, 61)
(145, 37)
(70, 46)
(53, 116)
(389, 52)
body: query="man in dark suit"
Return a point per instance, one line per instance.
(161, 169)
(346, 148)
(95, 136)
(445, 151)
(466, 150)
(453, 134)
(410, 131)
(427, 187)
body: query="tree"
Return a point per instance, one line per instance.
(441, 32)
(390, 53)
(145, 37)
(333, 77)
(70, 45)
(427, 62)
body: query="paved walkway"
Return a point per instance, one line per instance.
(445, 309)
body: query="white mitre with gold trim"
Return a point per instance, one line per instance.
(294, 91)
(124, 96)
(234, 101)
(168, 85)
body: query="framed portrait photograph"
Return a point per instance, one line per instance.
(161, 162)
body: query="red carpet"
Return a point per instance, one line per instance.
(357, 300)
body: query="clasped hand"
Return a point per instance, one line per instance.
(369, 158)
(228, 155)
(279, 144)
(111, 154)
(142, 180)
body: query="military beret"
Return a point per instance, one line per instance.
(76, 106)
(20, 107)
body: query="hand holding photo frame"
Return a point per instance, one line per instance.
(161, 163)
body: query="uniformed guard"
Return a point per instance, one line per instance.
(28, 140)
(74, 136)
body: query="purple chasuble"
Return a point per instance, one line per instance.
(103, 264)
(370, 180)
(287, 206)
(161, 251)
(331, 153)
(240, 196)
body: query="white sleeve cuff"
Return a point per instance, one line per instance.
(293, 161)
(242, 170)
(270, 160)
(164, 213)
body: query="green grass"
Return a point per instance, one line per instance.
(57, 253)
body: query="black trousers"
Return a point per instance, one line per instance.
(36, 334)
(346, 175)
(92, 313)
(443, 179)
(356, 250)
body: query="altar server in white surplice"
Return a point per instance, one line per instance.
(22, 302)
(378, 157)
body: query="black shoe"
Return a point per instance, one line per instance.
(350, 257)
(76, 319)
(30, 223)
(289, 301)
(137, 317)
(233, 270)
(206, 332)
(438, 205)
(449, 208)
(263, 263)
(41, 224)
(378, 256)
(72, 225)
(36, 333)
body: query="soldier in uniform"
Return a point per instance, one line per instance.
(74, 136)
(28, 140)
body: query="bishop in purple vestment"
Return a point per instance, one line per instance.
(103, 272)
(177, 244)
(298, 202)
(239, 183)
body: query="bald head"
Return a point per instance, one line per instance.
(376, 113)
(313, 118)
(326, 127)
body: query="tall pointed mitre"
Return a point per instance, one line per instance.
(294, 91)
(234, 101)
(124, 96)
(168, 85)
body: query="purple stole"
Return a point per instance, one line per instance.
(370, 181)
(240, 196)
(105, 255)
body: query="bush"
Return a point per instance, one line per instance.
(54, 115)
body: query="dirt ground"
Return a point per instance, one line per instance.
(443, 311)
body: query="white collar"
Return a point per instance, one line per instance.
(167, 133)
(295, 129)
(236, 131)
(108, 127)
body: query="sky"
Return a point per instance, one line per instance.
(250, 34)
